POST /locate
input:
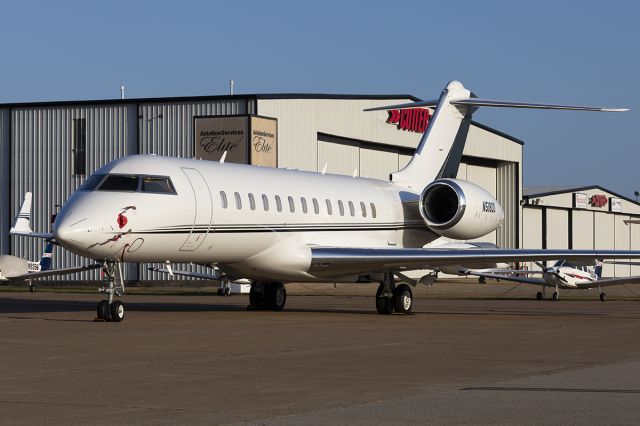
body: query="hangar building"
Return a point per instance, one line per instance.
(50, 148)
(589, 217)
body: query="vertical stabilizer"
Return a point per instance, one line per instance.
(22, 224)
(440, 149)
(47, 257)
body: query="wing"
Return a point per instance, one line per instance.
(199, 275)
(611, 281)
(337, 261)
(52, 272)
(525, 280)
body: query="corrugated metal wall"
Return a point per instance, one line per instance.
(5, 179)
(509, 198)
(41, 162)
(167, 129)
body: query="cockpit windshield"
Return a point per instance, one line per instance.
(129, 183)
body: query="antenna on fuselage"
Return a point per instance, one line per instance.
(324, 169)
(224, 155)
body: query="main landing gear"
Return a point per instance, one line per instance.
(603, 296)
(225, 287)
(267, 295)
(109, 309)
(390, 298)
(541, 294)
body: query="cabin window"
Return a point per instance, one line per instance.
(352, 210)
(223, 199)
(278, 203)
(265, 202)
(373, 210)
(341, 207)
(238, 200)
(364, 209)
(157, 184)
(128, 183)
(316, 207)
(329, 208)
(252, 202)
(292, 207)
(303, 201)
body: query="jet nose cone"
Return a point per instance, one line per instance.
(68, 230)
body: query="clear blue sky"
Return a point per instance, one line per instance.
(581, 52)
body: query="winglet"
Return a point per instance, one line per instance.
(22, 224)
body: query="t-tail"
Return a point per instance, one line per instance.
(440, 149)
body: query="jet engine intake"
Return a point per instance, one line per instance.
(459, 209)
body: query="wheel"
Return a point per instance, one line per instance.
(556, 296)
(482, 280)
(33, 288)
(403, 299)
(103, 312)
(117, 311)
(227, 291)
(384, 305)
(603, 297)
(539, 295)
(257, 295)
(220, 290)
(276, 296)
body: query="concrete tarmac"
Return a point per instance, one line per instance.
(325, 359)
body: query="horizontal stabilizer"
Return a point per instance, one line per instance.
(477, 102)
(432, 103)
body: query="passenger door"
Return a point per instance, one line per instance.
(203, 213)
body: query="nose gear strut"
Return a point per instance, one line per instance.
(112, 285)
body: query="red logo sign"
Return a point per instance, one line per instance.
(598, 200)
(411, 119)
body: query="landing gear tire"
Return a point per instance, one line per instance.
(220, 292)
(603, 297)
(539, 295)
(276, 296)
(384, 303)
(482, 280)
(257, 295)
(117, 311)
(33, 288)
(556, 296)
(403, 299)
(102, 311)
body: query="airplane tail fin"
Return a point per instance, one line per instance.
(598, 269)
(22, 224)
(47, 257)
(440, 149)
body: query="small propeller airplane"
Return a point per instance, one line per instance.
(16, 269)
(562, 275)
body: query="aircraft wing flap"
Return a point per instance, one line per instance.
(335, 261)
(189, 274)
(53, 272)
(525, 280)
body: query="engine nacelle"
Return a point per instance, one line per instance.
(460, 210)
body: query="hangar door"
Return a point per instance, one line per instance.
(604, 237)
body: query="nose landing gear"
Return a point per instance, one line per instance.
(111, 310)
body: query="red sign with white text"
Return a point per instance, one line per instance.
(411, 119)
(598, 200)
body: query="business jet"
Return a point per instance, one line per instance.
(278, 225)
(15, 269)
(562, 275)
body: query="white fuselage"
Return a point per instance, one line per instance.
(570, 277)
(196, 224)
